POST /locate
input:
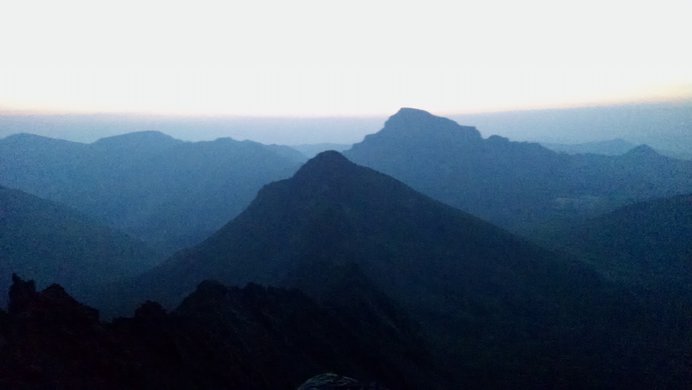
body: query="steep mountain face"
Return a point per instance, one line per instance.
(53, 243)
(514, 184)
(219, 338)
(169, 193)
(497, 309)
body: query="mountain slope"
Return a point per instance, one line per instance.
(514, 184)
(167, 192)
(52, 243)
(499, 310)
(645, 243)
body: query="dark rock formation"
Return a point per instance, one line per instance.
(331, 381)
(219, 338)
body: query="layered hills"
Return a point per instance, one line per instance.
(52, 243)
(167, 192)
(372, 278)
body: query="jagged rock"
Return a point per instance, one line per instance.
(331, 381)
(21, 294)
(220, 338)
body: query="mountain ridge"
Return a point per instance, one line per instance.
(253, 337)
(167, 192)
(530, 184)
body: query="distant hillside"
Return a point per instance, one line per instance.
(53, 243)
(218, 338)
(647, 243)
(514, 184)
(167, 192)
(614, 147)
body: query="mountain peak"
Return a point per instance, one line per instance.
(326, 162)
(420, 124)
(138, 137)
(413, 112)
(643, 151)
(330, 157)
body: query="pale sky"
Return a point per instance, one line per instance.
(320, 58)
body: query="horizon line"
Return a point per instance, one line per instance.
(449, 113)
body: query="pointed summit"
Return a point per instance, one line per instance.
(643, 150)
(325, 166)
(644, 154)
(328, 158)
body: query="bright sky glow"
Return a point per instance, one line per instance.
(325, 57)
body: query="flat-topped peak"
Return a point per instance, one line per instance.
(413, 112)
(413, 122)
(137, 136)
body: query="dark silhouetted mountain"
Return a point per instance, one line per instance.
(53, 243)
(498, 310)
(647, 243)
(167, 192)
(514, 184)
(333, 213)
(219, 338)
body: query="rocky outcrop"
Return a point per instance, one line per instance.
(331, 381)
(219, 338)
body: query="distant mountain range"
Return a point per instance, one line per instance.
(52, 243)
(613, 147)
(665, 126)
(371, 278)
(514, 184)
(167, 192)
(172, 194)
